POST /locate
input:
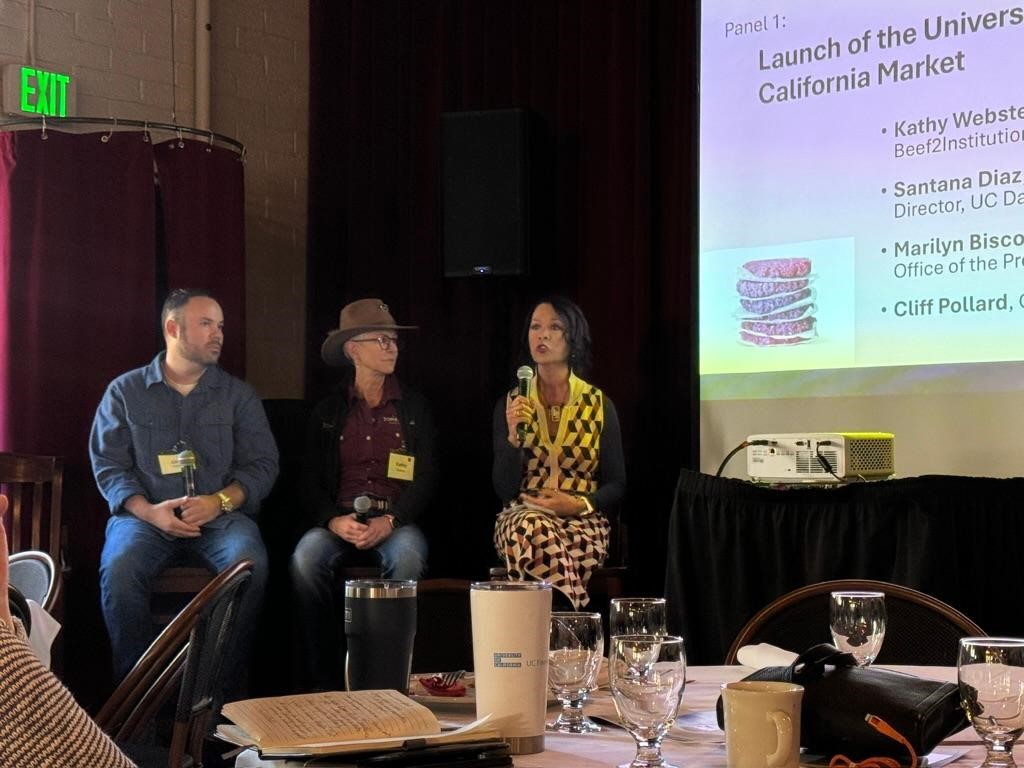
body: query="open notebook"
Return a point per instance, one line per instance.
(338, 722)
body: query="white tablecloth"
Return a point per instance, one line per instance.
(613, 747)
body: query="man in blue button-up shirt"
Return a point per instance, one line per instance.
(181, 400)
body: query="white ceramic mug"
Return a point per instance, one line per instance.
(511, 622)
(762, 724)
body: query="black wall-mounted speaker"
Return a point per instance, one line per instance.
(485, 192)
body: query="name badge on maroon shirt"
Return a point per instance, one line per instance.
(401, 466)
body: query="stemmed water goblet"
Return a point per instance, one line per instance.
(574, 657)
(857, 621)
(990, 671)
(637, 616)
(647, 674)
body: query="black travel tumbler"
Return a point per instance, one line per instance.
(380, 626)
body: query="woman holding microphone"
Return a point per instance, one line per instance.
(564, 465)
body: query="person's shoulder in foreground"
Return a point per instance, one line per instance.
(40, 721)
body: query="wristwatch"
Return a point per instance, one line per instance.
(225, 502)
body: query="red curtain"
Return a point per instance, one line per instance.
(203, 203)
(78, 260)
(77, 241)
(79, 305)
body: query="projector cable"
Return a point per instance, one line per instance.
(825, 462)
(738, 448)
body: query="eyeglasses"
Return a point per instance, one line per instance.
(385, 342)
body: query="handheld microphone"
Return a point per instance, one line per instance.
(524, 374)
(187, 461)
(362, 505)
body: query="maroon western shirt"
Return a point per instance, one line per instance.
(370, 435)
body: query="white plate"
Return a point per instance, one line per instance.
(420, 694)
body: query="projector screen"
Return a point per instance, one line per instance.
(861, 247)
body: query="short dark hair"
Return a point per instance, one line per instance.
(577, 332)
(177, 299)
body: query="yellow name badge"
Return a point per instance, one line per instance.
(169, 464)
(401, 466)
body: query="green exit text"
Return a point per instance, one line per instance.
(44, 93)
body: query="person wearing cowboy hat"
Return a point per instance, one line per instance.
(369, 472)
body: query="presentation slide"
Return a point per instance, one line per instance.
(861, 199)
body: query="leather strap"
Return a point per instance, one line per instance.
(810, 664)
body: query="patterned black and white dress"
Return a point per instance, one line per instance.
(584, 457)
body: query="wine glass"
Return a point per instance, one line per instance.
(857, 620)
(637, 616)
(574, 657)
(990, 671)
(647, 675)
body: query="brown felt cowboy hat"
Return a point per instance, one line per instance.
(358, 317)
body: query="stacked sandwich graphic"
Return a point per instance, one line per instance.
(776, 302)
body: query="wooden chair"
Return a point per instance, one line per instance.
(363, 565)
(186, 656)
(173, 588)
(34, 485)
(920, 629)
(609, 581)
(350, 572)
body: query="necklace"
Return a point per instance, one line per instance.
(554, 396)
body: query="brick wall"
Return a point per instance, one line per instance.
(260, 96)
(120, 54)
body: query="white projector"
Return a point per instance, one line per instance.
(820, 457)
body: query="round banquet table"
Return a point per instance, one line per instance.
(684, 747)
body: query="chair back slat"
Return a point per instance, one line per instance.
(13, 492)
(37, 515)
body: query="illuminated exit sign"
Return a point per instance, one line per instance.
(33, 91)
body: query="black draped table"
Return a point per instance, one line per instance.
(734, 547)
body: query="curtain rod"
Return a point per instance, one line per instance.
(114, 123)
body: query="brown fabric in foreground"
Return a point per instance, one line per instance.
(41, 724)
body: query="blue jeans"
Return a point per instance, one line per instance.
(315, 564)
(135, 553)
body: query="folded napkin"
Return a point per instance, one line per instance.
(44, 631)
(764, 655)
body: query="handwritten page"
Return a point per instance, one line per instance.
(316, 718)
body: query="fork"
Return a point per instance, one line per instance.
(448, 679)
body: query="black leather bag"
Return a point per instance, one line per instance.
(838, 696)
